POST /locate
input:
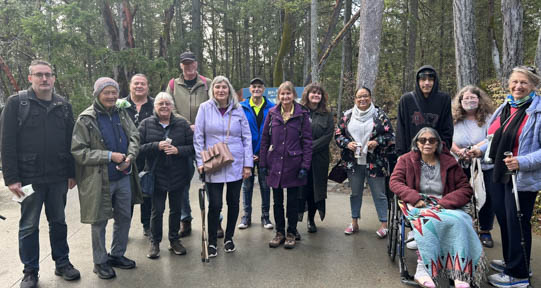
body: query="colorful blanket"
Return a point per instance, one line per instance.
(447, 242)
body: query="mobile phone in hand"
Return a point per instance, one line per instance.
(122, 166)
(168, 140)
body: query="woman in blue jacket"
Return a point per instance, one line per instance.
(517, 128)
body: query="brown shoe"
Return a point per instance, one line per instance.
(185, 228)
(277, 240)
(290, 241)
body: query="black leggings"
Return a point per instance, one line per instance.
(215, 195)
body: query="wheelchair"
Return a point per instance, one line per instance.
(398, 226)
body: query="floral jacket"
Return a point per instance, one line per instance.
(378, 161)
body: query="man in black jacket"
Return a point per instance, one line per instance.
(36, 143)
(424, 107)
(141, 107)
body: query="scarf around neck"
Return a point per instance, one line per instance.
(363, 116)
(518, 103)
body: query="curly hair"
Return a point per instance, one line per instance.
(315, 87)
(484, 109)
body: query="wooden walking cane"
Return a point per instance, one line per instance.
(204, 239)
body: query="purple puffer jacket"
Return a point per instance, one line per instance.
(211, 128)
(291, 148)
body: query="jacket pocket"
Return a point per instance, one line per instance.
(59, 118)
(28, 165)
(63, 163)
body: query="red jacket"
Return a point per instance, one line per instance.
(407, 175)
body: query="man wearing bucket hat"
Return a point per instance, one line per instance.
(105, 145)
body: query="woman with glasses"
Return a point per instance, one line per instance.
(472, 109)
(432, 189)
(167, 144)
(366, 137)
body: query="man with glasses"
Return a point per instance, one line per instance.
(189, 90)
(141, 107)
(36, 140)
(426, 106)
(105, 145)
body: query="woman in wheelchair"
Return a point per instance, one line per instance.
(433, 188)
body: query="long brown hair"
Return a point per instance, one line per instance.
(484, 109)
(315, 87)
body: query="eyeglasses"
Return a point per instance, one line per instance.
(431, 140)
(160, 104)
(40, 75)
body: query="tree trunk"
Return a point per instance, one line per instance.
(246, 49)
(369, 40)
(307, 53)
(287, 33)
(513, 53)
(412, 42)
(226, 40)
(214, 52)
(313, 40)
(345, 71)
(165, 38)
(197, 34)
(538, 53)
(465, 53)
(4, 67)
(495, 51)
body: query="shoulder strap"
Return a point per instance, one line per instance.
(228, 125)
(204, 81)
(172, 85)
(416, 102)
(24, 107)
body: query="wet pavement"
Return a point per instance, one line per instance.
(327, 258)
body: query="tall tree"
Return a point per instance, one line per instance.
(513, 53)
(313, 40)
(495, 50)
(538, 53)
(287, 34)
(197, 33)
(465, 50)
(345, 70)
(369, 40)
(412, 42)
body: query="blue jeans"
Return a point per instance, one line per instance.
(248, 190)
(53, 195)
(121, 197)
(356, 176)
(186, 211)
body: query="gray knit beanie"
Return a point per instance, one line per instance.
(103, 82)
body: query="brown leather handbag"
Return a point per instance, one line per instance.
(218, 155)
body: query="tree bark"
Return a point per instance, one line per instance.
(495, 50)
(287, 33)
(197, 35)
(165, 38)
(246, 49)
(513, 53)
(465, 44)
(4, 67)
(345, 71)
(313, 40)
(369, 42)
(538, 53)
(412, 42)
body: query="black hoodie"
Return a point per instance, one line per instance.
(436, 113)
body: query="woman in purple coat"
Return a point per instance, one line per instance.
(211, 126)
(285, 156)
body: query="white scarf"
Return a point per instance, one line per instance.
(360, 128)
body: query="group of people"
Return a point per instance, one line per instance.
(287, 144)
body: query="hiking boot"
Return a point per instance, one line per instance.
(104, 271)
(177, 248)
(68, 272)
(267, 224)
(277, 240)
(229, 246)
(312, 228)
(121, 262)
(212, 251)
(185, 228)
(30, 280)
(245, 222)
(220, 232)
(290, 241)
(154, 250)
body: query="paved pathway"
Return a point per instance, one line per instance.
(327, 258)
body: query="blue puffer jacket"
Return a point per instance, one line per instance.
(529, 147)
(250, 115)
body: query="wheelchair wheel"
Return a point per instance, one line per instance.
(392, 237)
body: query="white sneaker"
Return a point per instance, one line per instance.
(505, 281)
(412, 245)
(498, 265)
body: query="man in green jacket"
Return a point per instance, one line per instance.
(189, 90)
(105, 144)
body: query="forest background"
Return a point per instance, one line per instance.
(277, 40)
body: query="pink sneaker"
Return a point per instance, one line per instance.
(382, 232)
(350, 230)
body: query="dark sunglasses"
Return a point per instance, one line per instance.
(431, 140)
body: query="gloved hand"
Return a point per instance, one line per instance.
(302, 173)
(264, 171)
